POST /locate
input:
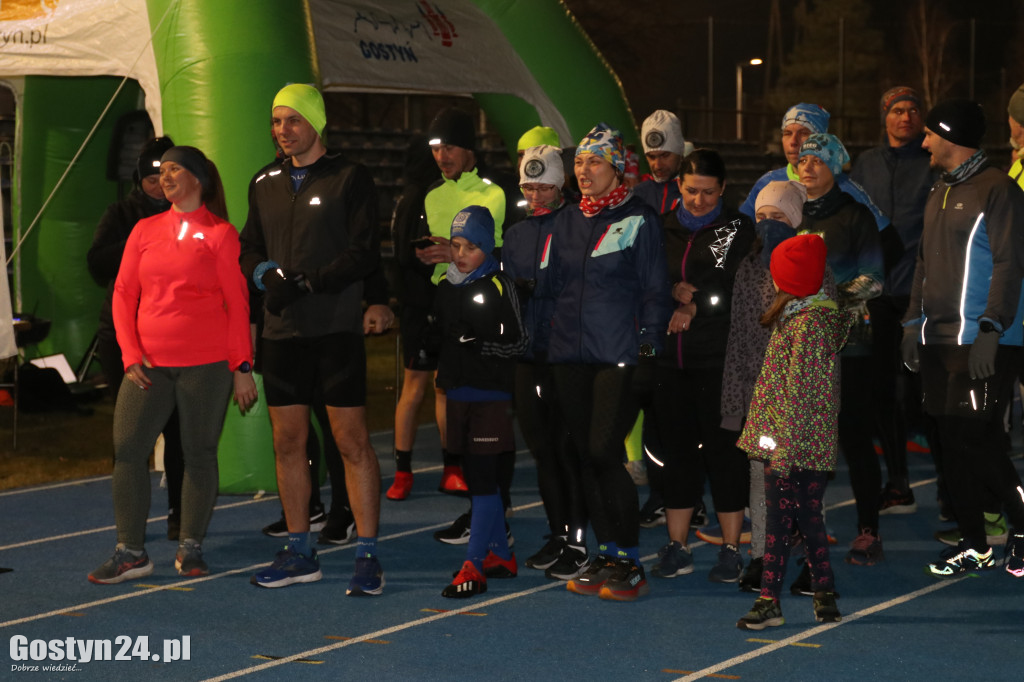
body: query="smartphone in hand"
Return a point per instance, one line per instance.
(423, 243)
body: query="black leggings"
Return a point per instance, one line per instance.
(600, 407)
(558, 465)
(683, 430)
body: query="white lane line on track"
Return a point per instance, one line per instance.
(216, 576)
(53, 486)
(229, 505)
(807, 634)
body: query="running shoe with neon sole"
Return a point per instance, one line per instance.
(627, 583)
(368, 580)
(401, 486)
(955, 562)
(996, 532)
(124, 565)
(289, 567)
(765, 613)
(593, 579)
(189, 559)
(1015, 555)
(468, 582)
(866, 549)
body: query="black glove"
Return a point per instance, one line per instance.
(981, 361)
(908, 348)
(284, 287)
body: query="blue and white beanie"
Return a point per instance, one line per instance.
(829, 149)
(475, 224)
(810, 116)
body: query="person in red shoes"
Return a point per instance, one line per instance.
(477, 326)
(451, 138)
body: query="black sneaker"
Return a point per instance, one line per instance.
(455, 534)
(802, 584)
(700, 516)
(652, 513)
(279, 528)
(750, 581)
(572, 562)
(626, 583)
(340, 529)
(825, 609)
(593, 579)
(547, 555)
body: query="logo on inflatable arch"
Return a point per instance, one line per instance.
(19, 10)
(439, 23)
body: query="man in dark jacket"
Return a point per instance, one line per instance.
(963, 329)
(897, 175)
(309, 241)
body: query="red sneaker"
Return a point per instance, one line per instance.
(453, 483)
(467, 583)
(496, 567)
(401, 487)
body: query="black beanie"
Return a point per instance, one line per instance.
(149, 158)
(452, 126)
(960, 121)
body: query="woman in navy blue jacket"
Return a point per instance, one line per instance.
(610, 314)
(525, 258)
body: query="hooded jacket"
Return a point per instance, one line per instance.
(794, 415)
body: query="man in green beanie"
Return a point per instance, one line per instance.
(309, 241)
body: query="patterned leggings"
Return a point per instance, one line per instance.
(795, 500)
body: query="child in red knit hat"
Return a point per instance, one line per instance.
(793, 424)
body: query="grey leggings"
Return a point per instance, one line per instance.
(200, 394)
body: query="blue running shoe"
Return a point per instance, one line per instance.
(289, 567)
(368, 579)
(673, 560)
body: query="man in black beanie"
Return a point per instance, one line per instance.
(963, 329)
(452, 139)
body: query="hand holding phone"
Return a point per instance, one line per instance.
(423, 243)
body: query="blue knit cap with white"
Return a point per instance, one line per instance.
(474, 224)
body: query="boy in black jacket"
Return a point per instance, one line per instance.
(480, 333)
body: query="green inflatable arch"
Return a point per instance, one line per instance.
(219, 65)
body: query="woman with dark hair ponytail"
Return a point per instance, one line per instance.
(181, 312)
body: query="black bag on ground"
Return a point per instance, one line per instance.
(41, 389)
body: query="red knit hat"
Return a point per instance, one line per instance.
(798, 265)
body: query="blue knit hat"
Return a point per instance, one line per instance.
(829, 149)
(475, 224)
(810, 116)
(606, 142)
